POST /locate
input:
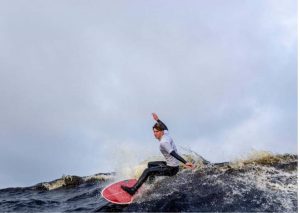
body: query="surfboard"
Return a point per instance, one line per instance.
(115, 194)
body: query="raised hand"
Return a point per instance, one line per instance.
(155, 117)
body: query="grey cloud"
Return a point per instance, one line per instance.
(79, 81)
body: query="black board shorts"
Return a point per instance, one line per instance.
(160, 168)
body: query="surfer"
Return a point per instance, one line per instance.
(167, 147)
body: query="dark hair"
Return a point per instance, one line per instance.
(158, 127)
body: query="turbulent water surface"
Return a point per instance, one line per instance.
(263, 182)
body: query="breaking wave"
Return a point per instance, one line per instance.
(262, 181)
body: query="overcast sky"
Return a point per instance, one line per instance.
(80, 79)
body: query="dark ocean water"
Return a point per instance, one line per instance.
(261, 183)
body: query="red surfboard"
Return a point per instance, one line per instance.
(115, 194)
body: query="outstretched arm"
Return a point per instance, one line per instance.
(155, 117)
(178, 157)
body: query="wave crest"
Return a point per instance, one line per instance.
(70, 181)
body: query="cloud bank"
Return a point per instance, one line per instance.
(79, 81)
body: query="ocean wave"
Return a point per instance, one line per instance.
(259, 182)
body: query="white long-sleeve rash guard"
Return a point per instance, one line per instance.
(168, 148)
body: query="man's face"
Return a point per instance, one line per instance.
(158, 134)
